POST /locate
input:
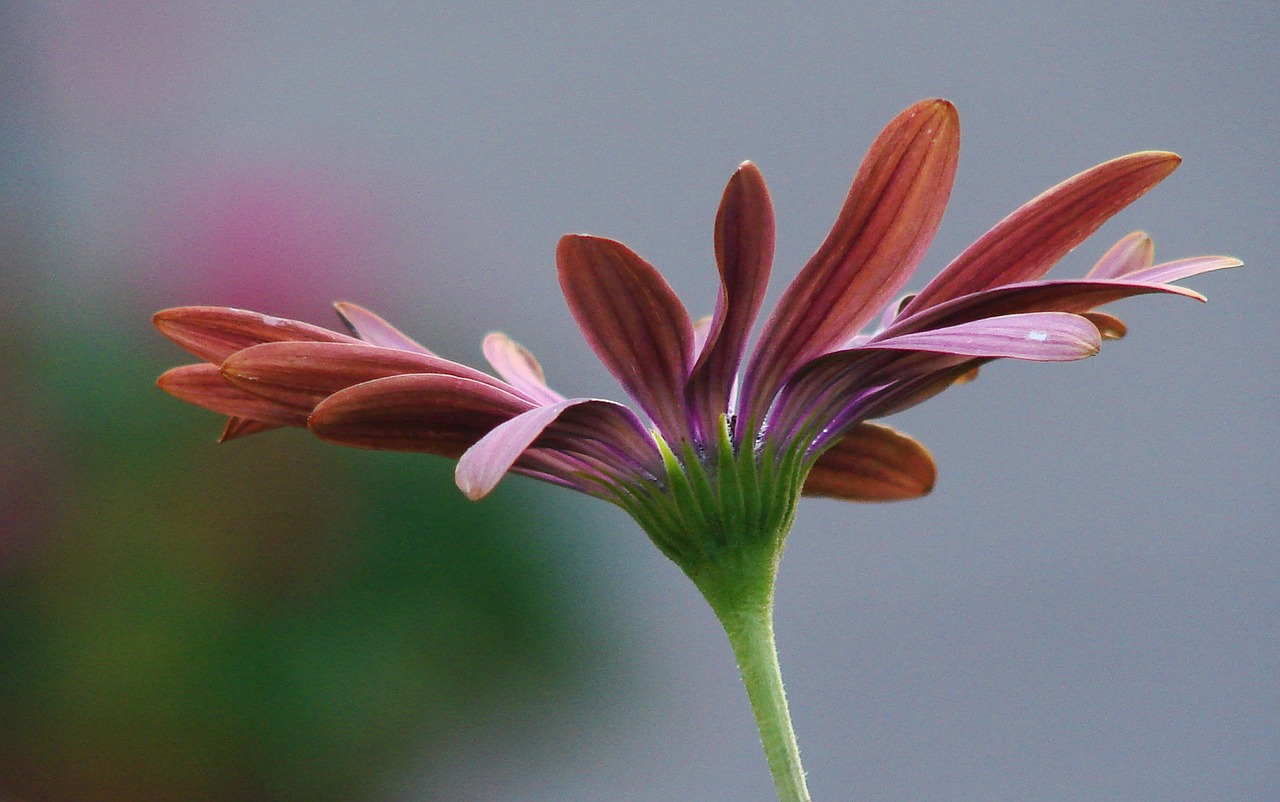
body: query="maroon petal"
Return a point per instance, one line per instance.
(1134, 252)
(887, 223)
(518, 367)
(204, 386)
(214, 333)
(1028, 242)
(585, 423)
(243, 427)
(300, 375)
(633, 321)
(744, 239)
(427, 413)
(873, 463)
(374, 330)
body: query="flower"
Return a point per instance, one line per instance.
(810, 388)
(714, 474)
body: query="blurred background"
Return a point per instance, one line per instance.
(1087, 607)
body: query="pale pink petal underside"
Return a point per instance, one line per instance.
(374, 330)
(518, 367)
(1133, 252)
(1037, 336)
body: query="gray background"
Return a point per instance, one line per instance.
(1088, 605)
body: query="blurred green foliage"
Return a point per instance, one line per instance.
(270, 619)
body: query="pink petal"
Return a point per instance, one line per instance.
(517, 366)
(374, 330)
(1037, 336)
(485, 463)
(633, 321)
(887, 223)
(1028, 242)
(427, 413)
(1134, 252)
(1181, 268)
(214, 333)
(744, 239)
(872, 463)
(201, 384)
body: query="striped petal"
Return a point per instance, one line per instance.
(518, 367)
(300, 375)
(374, 330)
(888, 220)
(744, 239)
(1036, 336)
(634, 322)
(1134, 252)
(203, 385)
(585, 424)
(1024, 245)
(243, 427)
(426, 413)
(872, 462)
(214, 333)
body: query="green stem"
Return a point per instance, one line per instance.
(750, 631)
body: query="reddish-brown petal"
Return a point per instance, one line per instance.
(374, 330)
(203, 385)
(873, 463)
(243, 427)
(300, 375)
(888, 220)
(744, 239)
(1109, 326)
(214, 333)
(1028, 242)
(427, 413)
(633, 321)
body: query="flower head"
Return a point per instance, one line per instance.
(727, 447)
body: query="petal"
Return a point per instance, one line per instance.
(1109, 326)
(1037, 336)
(1071, 295)
(374, 330)
(1181, 268)
(585, 420)
(427, 413)
(201, 384)
(873, 463)
(887, 223)
(633, 321)
(1028, 242)
(214, 333)
(243, 427)
(517, 366)
(1131, 253)
(300, 375)
(744, 239)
